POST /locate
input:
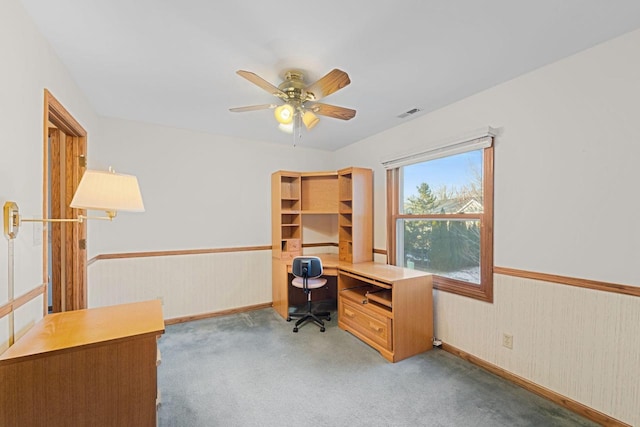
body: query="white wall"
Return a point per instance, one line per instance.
(199, 190)
(566, 179)
(565, 163)
(29, 65)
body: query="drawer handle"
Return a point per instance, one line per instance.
(349, 313)
(375, 327)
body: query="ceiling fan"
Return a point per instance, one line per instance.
(300, 99)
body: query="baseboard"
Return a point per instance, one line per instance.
(217, 313)
(566, 402)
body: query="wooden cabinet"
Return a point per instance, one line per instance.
(95, 367)
(388, 307)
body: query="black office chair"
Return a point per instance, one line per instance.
(307, 271)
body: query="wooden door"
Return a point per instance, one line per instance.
(64, 164)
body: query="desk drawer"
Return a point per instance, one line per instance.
(372, 325)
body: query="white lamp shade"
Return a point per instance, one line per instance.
(107, 191)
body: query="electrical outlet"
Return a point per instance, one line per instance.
(507, 341)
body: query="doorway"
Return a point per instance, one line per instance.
(64, 244)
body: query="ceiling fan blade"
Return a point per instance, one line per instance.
(260, 82)
(253, 108)
(341, 113)
(331, 82)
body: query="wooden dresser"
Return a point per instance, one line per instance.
(94, 367)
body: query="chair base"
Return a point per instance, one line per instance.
(310, 316)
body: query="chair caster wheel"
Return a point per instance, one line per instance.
(288, 319)
(328, 318)
(322, 329)
(295, 329)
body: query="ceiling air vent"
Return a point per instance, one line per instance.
(409, 113)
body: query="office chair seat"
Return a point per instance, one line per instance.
(298, 282)
(307, 271)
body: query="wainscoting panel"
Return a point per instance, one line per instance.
(581, 343)
(27, 315)
(187, 284)
(24, 317)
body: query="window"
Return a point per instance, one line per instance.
(440, 219)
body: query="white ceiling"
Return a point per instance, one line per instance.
(173, 62)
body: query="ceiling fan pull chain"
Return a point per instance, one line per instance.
(293, 135)
(297, 132)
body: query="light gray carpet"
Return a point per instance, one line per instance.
(249, 369)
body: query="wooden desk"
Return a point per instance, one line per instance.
(388, 307)
(94, 367)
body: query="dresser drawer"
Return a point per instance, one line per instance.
(371, 325)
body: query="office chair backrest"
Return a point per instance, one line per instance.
(311, 265)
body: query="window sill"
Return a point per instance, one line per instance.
(483, 292)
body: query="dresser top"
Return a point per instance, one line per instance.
(72, 329)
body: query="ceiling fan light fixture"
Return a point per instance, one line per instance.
(294, 93)
(309, 119)
(284, 114)
(286, 128)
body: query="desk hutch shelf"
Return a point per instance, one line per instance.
(285, 212)
(355, 219)
(347, 193)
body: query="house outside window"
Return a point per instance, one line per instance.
(440, 220)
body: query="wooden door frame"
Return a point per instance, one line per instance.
(75, 252)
